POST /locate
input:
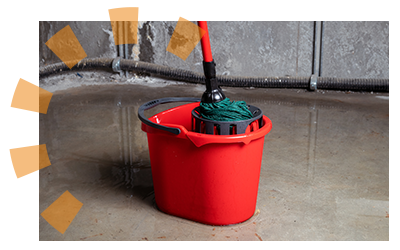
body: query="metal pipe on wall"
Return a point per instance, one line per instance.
(317, 52)
(126, 43)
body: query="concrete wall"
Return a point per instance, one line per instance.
(349, 49)
(356, 49)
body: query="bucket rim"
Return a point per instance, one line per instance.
(200, 139)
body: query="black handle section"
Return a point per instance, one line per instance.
(156, 102)
(209, 69)
(213, 92)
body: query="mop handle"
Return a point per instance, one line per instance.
(205, 42)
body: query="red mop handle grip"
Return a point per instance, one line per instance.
(205, 42)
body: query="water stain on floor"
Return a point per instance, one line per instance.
(324, 174)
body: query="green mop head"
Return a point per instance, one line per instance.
(225, 110)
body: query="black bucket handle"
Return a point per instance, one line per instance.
(156, 102)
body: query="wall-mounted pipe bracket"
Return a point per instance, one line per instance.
(116, 65)
(313, 82)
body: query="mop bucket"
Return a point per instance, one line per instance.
(212, 179)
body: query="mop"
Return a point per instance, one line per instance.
(214, 104)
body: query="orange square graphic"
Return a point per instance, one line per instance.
(27, 160)
(185, 38)
(181, 18)
(62, 211)
(44, 160)
(44, 100)
(25, 96)
(125, 32)
(31, 97)
(124, 23)
(124, 14)
(66, 46)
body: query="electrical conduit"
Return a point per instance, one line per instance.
(328, 83)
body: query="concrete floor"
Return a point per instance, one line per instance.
(324, 174)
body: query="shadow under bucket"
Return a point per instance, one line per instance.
(212, 179)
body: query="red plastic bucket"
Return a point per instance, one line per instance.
(212, 179)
